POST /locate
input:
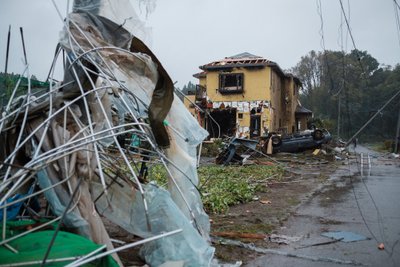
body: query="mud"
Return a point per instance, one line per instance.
(307, 177)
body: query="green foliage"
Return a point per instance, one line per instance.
(224, 186)
(158, 174)
(384, 147)
(211, 149)
(9, 81)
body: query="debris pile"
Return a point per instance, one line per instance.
(83, 149)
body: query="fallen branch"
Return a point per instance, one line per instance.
(321, 244)
(240, 235)
(288, 182)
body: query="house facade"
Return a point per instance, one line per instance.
(247, 96)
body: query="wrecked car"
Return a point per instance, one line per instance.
(299, 141)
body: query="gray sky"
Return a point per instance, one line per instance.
(190, 33)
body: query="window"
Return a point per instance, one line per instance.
(240, 115)
(231, 83)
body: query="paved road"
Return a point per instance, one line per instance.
(367, 204)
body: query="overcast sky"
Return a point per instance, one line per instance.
(190, 33)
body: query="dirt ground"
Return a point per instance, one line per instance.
(268, 211)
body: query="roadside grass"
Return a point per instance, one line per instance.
(224, 186)
(385, 146)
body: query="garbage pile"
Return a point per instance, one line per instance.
(83, 149)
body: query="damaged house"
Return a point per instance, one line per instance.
(248, 96)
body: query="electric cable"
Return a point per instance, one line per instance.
(380, 219)
(352, 39)
(396, 8)
(322, 43)
(379, 215)
(397, 4)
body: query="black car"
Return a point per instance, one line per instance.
(300, 141)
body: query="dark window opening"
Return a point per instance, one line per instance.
(223, 122)
(231, 83)
(255, 126)
(240, 115)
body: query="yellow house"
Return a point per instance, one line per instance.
(247, 96)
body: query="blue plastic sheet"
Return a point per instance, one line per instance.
(345, 236)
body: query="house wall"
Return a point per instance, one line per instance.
(264, 86)
(203, 81)
(291, 102)
(256, 87)
(277, 115)
(302, 123)
(189, 105)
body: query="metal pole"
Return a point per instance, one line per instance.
(4, 93)
(373, 117)
(131, 245)
(396, 138)
(338, 118)
(66, 210)
(361, 163)
(8, 48)
(23, 44)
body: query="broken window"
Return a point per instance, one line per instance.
(231, 83)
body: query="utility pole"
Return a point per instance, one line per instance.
(338, 118)
(4, 93)
(396, 138)
(8, 48)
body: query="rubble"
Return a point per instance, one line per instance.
(81, 149)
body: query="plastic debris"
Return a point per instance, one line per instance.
(283, 239)
(316, 152)
(98, 133)
(265, 201)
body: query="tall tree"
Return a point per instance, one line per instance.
(351, 84)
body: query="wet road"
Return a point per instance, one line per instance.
(367, 204)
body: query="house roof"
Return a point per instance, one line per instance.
(200, 75)
(244, 60)
(240, 60)
(302, 110)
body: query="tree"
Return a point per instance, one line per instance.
(348, 88)
(190, 88)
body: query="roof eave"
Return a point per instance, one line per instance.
(229, 66)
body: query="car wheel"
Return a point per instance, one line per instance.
(318, 135)
(276, 140)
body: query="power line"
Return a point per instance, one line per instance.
(397, 4)
(379, 215)
(352, 38)
(321, 32)
(396, 14)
